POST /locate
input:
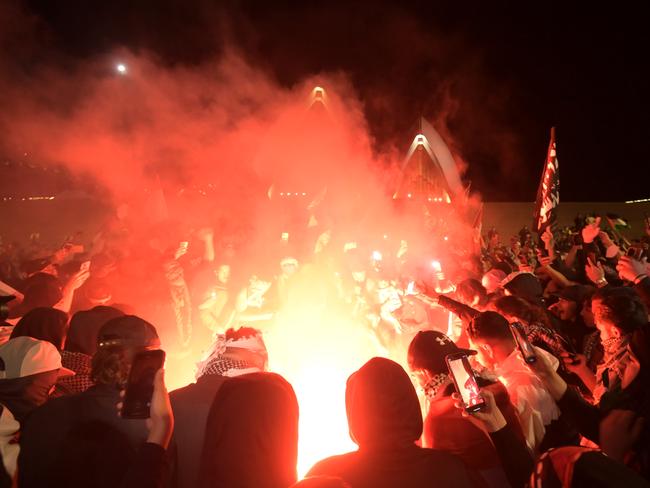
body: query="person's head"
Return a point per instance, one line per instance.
(520, 310)
(570, 300)
(223, 274)
(117, 342)
(525, 286)
(289, 266)
(235, 353)
(471, 292)
(491, 280)
(493, 237)
(618, 311)
(29, 369)
(252, 437)
(84, 326)
(45, 324)
(382, 406)
(490, 335)
(40, 290)
(426, 359)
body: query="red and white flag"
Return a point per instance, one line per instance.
(548, 193)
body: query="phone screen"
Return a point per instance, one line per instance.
(525, 347)
(139, 389)
(465, 381)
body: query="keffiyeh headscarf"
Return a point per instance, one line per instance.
(435, 384)
(234, 357)
(614, 362)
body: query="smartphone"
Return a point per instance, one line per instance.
(85, 266)
(465, 381)
(635, 252)
(525, 347)
(410, 288)
(285, 236)
(139, 389)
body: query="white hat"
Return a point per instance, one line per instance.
(25, 356)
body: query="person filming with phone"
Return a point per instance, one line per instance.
(492, 336)
(104, 437)
(444, 426)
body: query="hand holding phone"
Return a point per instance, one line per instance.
(85, 266)
(525, 348)
(635, 252)
(139, 389)
(465, 381)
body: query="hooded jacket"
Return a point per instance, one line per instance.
(236, 432)
(385, 421)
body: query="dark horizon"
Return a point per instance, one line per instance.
(492, 78)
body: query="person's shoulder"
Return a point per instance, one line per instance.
(443, 461)
(333, 465)
(207, 384)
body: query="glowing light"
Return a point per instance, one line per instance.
(420, 140)
(446, 238)
(436, 266)
(376, 256)
(121, 68)
(318, 92)
(301, 346)
(385, 236)
(409, 195)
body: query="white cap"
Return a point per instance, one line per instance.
(25, 356)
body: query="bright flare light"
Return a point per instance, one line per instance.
(316, 348)
(121, 68)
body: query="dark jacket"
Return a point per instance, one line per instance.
(191, 405)
(52, 431)
(244, 432)
(385, 421)
(447, 430)
(586, 417)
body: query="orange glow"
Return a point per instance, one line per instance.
(315, 347)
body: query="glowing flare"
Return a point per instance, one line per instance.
(121, 68)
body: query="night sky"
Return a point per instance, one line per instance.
(500, 74)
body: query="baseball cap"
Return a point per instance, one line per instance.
(576, 293)
(429, 348)
(128, 331)
(26, 356)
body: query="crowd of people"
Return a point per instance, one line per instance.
(75, 317)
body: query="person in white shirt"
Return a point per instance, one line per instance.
(491, 336)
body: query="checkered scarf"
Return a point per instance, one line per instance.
(434, 385)
(233, 357)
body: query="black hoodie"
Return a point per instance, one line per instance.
(385, 420)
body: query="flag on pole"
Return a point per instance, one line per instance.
(548, 193)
